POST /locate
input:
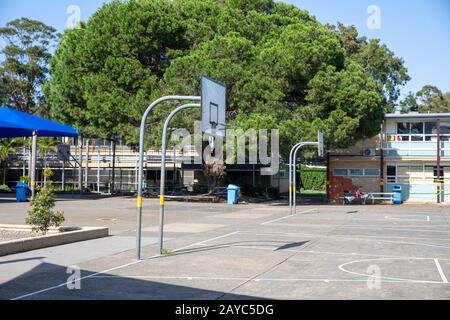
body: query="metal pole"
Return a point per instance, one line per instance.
(63, 176)
(438, 160)
(113, 177)
(33, 165)
(141, 162)
(86, 168)
(174, 167)
(163, 170)
(80, 168)
(290, 175)
(295, 170)
(98, 169)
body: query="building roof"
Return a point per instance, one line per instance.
(405, 116)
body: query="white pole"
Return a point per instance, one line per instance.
(98, 169)
(86, 168)
(33, 165)
(80, 166)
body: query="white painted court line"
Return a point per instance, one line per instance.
(208, 240)
(326, 280)
(361, 227)
(342, 268)
(441, 273)
(286, 217)
(82, 278)
(115, 268)
(346, 238)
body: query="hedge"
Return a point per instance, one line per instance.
(313, 178)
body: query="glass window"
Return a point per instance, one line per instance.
(372, 172)
(391, 171)
(445, 128)
(340, 172)
(356, 172)
(403, 127)
(430, 128)
(417, 127)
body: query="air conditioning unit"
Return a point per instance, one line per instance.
(369, 152)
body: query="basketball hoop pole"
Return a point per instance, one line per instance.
(141, 162)
(163, 170)
(293, 169)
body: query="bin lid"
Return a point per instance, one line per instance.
(21, 185)
(233, 187)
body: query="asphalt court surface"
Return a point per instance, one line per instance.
(255, 251)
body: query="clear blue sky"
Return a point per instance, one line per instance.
(417, 30)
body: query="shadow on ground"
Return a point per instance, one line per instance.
(106, 287)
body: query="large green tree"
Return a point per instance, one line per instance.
(283, 69)
(24, 66)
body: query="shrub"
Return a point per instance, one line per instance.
(313, 178)
(4, 188)
(41, 216)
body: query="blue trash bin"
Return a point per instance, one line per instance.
(233, 194)
(398, 198)
(21, 192)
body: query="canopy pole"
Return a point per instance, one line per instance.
(33, 165)
(80, 166)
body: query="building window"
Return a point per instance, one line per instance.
(403, 127)
(372, 172)
(445, 128)
(356, 172)
(416, 127)
(430, 128)
(340, 172)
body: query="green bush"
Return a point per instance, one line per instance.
(313, 178)
(41, 216)
(4, 188)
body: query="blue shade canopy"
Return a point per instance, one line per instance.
(14, 123)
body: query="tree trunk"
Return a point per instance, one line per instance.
(214, 171)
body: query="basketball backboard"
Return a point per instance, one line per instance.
(213, 106)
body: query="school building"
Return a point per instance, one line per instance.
(412, 150)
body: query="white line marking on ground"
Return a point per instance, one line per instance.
(115, 268)
(82, 278)
(289, 216)
(428, 218)
(342, 268)
(208, 240)
(360, 236)
(359, 227)
(264, 279)
(441, 273)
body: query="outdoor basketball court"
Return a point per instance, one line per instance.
(258, 251)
